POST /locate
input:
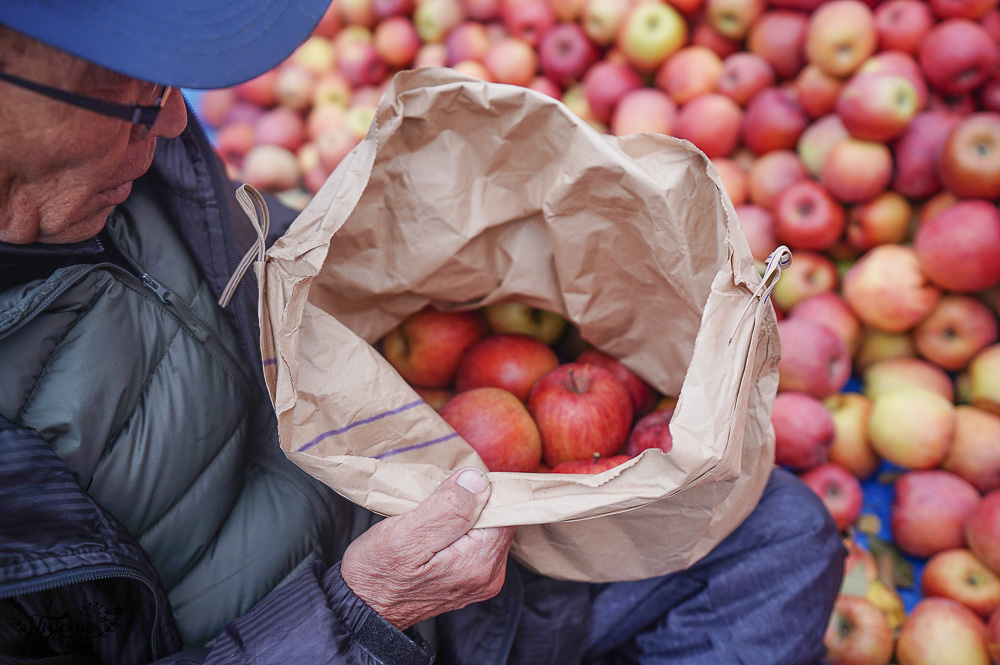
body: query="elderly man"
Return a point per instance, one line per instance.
(146, 511)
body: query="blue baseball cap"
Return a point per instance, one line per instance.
(183, 43)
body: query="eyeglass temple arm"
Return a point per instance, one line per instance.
(133, 113)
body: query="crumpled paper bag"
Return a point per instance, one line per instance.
(466, 193)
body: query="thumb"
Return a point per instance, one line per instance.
(450, 512)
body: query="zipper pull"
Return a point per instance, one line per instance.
(169, 298)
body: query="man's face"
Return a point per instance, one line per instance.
(62, 168)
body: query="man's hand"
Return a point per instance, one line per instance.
(426, 562)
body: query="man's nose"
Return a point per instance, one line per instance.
(172, 118)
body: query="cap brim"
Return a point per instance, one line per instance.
(185, 43)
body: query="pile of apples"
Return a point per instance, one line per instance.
(526, 392)
(865, 135)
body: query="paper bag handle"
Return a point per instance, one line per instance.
(777, 261)
(251, 201)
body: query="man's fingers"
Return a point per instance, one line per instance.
(448, 513)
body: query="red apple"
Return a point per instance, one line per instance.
(803, 430)
(485, 11)
(778, 36)
(518, 318)
(957, 55)
(270, 168)
(642, 396)
(605, 84)
(434, 19)
(773, 121)
(918, 152)
(900, 64)
(971, 9)
(939, 630)
(690, 72)
(280, 126)
(831, 310)
(427, 347)
(758, 227)
(930, 511)
(597, 464)
(982, 530)
(856, 171)
(858, 633)
(887, 289)
(734, 178)
(511, 362)
(565, 53)
(733, 18)
(884, 219)
(811, 273)
(877, 107)
(840, 35)
(712, 122)
(974, 453)
(772, 173)
(970, 157)
(743, 75)
(389, 8)
(807, 217)
(259, 90)
(234, 140)
(959, 247)
(496, 424)
(958, 574)
(528, 20)
(359, 62)
(469, 40)
(955, 330)
(703, 34)
(814, 360)
(512, 61)
(902, 24)
(644, 110)
(651, 431)
(839, 490)
(816, 90)
(818, 139)
(580, 410)
(993, 635)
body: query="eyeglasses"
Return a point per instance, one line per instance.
(143, 116)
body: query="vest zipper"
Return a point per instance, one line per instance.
(168, 297)
(89, 574)
(70, 278)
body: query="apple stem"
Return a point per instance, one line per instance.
(576, 384)
(597, 456)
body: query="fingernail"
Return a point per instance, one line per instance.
(473, 480)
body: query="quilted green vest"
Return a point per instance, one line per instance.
(134, 377)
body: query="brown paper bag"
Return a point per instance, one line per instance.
(464, 194)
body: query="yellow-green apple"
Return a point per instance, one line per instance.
(605, 83)
(957, 328)
(512, 61)
(888, 290)
(993, 635)
(644, 110)
(703, 34)
(778, 36)
(602, 18)
(859, 558)
(957, 55)
(838, 489)
(270, 168)
(651, 431)
(902, 24)
(498, 426)
(912, 427)
(939, 630)
(811, 273)
(643, 396)
(975, 449)
(884, 219)
(851, 447)
(984, 379)
(857, 170)
(831, 310)
(651, 33)
(813, 359)
(817, 90)
(807, 217)
(332, 88)
(876, 107)
(433, 19)
(692, 71)
(469, 40)
(595, 464)
(565, 53)
(877, 346)
(386, 8)
(970, 157)
(712, 122)
(817, 140)
(918, 152)
(982, 530)
(511, 362)
(959, 247)
(960, 575)
(518, 318)
(901, 64)
(858, 634)
(930, 511)
(772, 173)
(803, 430)
(528, 20)
(890, 374)
(427, 347)
(575, 100)
(280, 126)
(581, 410)
(743, 75)
(758, 227)
(734, 178)
(484, 11)
(733, 18)
(773, 121)
(840, 36)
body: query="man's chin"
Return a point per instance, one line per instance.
(81, 230)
